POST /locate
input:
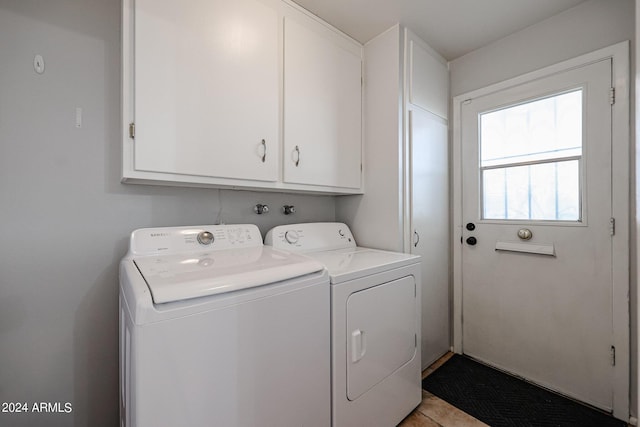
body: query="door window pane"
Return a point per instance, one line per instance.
(545, 191)
(530, 156)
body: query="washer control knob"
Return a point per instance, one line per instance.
(205, 238)
(291, 237)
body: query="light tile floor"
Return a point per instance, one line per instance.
(435, 412)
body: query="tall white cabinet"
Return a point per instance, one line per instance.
(406, 203)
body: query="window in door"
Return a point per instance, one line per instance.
(531, 159)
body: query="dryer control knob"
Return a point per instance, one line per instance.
(291, 237)
(205, 238)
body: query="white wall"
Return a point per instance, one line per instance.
(64, 216)
(591, 25)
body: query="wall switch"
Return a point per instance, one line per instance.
(78, 117)
(38, 64)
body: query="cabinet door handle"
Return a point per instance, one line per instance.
(297, 150)
(417, 238)
(264, 151)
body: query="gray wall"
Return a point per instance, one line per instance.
(64, 216)
(589, 26)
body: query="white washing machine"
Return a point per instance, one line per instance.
(218, 330)
(375, 323)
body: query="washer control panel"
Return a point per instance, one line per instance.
(148, 241)
(310, 237)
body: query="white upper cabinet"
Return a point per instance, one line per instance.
(322, 106)
(428, 83)
(206, 88)
(251, 94)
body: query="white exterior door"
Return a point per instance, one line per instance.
(536, 257)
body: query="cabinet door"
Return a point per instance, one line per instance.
(428, 80)
(430, 226)
(322, 107)
(206, 88)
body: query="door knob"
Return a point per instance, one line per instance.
(525, 234)
(471, 226)
(471, 241)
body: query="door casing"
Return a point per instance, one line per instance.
(620, 205)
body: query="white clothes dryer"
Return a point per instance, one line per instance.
(218, 330)
(375, 323)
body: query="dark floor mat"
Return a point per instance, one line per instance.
(499, 399)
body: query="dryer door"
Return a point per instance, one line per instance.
(381, 333)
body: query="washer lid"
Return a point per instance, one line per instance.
(191, 275)
(353, 263)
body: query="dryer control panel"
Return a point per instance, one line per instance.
(166, 240)
(310, 237)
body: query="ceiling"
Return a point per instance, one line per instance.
(451, 27)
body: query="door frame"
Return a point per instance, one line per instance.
(620, 159)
